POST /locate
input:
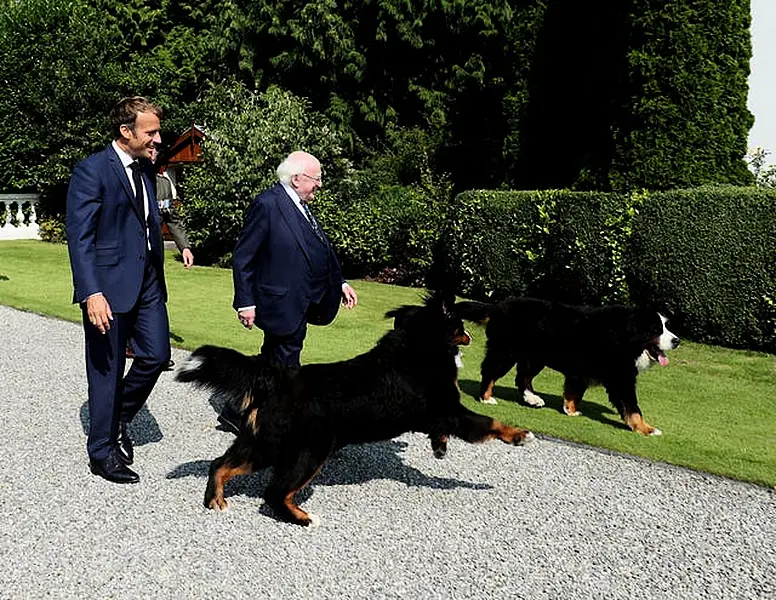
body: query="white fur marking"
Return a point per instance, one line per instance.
(644, 361)
(576, 413)
(656, 431)
(529, 437)
(459, 360)
(490, 400)
(192, 363)
(315, 521)
(532, 399)
(667, 341)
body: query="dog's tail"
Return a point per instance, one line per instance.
(479, 312)
(242, 381)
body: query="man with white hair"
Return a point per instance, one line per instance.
(285, 272)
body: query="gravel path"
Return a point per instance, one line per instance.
(550, 520)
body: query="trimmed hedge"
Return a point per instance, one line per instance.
(708, 255)
(554, 244)
(705, 256)
(389, 228)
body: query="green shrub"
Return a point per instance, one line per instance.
(553, 244)
(708, 255)
(52, 230)
(388, 233)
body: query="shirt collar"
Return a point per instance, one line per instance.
(126, 159)
(292, 193)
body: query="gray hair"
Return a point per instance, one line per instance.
(294, 164)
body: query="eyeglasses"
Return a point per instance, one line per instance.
(317, 179)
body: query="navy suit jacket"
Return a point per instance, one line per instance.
(106, 234)
(271, 267)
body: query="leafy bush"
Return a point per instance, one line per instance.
(389, 233)
(553, 244)
(52, 230)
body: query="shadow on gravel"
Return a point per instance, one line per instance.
(352, 465)
(590, 410)
(144, 429)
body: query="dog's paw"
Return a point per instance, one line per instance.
(219, 504)
(490, 400)
(315, 521)
(571, 413)
(532, 399)
(655, 431)
(527, 438)
(440, 452)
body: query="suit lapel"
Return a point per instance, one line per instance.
(120, 172)
(288, 210)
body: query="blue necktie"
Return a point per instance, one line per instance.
(312, 221)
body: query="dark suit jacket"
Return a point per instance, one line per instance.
(271, 267)
(106, 234)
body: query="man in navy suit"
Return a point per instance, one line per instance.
(285, 272)
(118, 278)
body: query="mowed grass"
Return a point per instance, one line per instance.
(714, 405)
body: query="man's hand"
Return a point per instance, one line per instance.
(247, 317)
(349, 296)
(99, 312)
(188, 258)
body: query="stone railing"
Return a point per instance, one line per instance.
(18, 217)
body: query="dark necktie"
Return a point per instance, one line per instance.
(137, 179)
(312, 221)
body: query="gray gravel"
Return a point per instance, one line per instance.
(550, 520)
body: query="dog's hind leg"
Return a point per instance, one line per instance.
(573, 390)
(525, 371)
(236, 461)
(295, 469)
(474, 428)
(494, 366)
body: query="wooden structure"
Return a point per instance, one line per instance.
(186, 149)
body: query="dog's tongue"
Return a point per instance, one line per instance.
(663, 360)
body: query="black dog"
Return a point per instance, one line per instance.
(607, 345)
(293, 420)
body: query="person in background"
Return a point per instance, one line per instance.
(285, 272)
(116, 257)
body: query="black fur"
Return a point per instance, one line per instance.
(294, 419)
(587, 345)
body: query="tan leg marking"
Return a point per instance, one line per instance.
(487, 395)
(637, 423)
(221, 476)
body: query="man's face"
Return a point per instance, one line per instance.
(307, 182)
(140, 142)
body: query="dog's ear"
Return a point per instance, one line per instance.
(443, 300)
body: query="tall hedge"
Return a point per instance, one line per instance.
(709, 256)
(556, 244)
(631, 95)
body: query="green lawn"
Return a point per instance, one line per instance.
(713, 405)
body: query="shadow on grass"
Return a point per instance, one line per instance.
(591, 410)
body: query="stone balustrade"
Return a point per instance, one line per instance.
(18, 217)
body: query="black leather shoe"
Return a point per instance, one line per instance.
(112, 469)
(170, 365)
(229, 420)
(124, 449)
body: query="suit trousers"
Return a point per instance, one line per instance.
(113, 396)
